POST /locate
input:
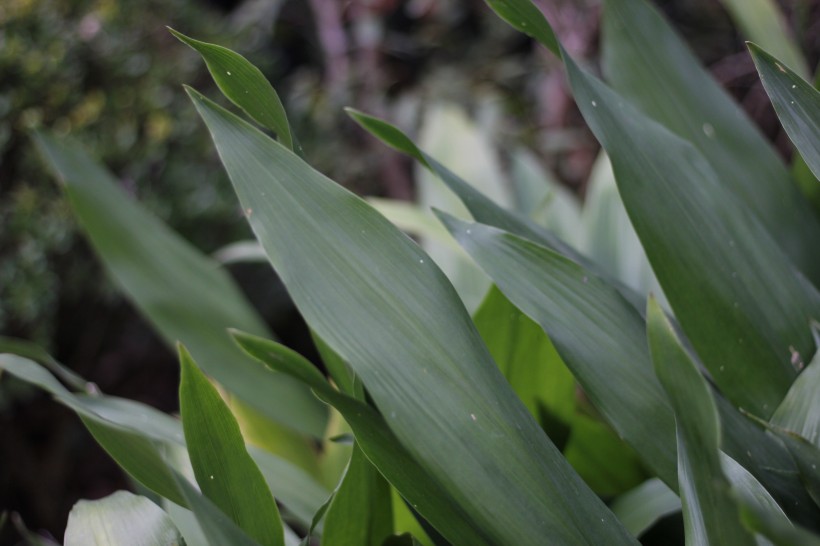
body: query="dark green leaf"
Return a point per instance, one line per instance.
(185, 295)
(599, 335)
(648, 63)
(377, 441)
(360, 512)
(224, 470)
(797, 104)
(710, 514)
(377, 300)
(734, 292)
(244, 85)
(773, 528)
(481, 207)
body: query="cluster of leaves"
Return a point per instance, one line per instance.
(448, 412)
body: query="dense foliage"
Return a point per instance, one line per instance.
(566, 406)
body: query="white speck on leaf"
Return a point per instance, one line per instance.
(472, 416)
(228, 72)
(594, 104)
(708, 130)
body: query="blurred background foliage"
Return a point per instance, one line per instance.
(109, 73)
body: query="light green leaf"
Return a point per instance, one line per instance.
(526, 357)
(761, 21)
(710, 514)
(414, 219)
(224, 470)
(120, 519)
(640, 508)
(649, 64)
(244, 85)
(371, 294)
(797, 104)
(185, 295)
(736, 295)
(360, 512)
(750, 491)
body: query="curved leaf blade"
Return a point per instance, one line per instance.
(244, 85)
(224, 470)
(649, 64)
(120, 519)
(184, 294)
(598, 334)
(734, 292)
(796, 102)
(444, 399)
(710, 514)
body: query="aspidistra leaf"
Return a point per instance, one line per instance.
(710, 514)
(648, 64)
(185, 295)
(371, 294)
(796, 102)
(244, 85)
(734, 292)
(224, 470)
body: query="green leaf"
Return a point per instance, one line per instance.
(772, 527)
(219, 529)
(640, 508)
(376, 440)
(598, 334)
(524, 16)
(710, 514)
(796, 102)
(360, 512)
(371, 294)
(749, 491)
(800, 410)
(244, 85)
(650, 65)
(761, 21)
(120, 519)
(482, 208)
(734, 292)
(137, 453)
(526, 357)
(224, 470)
(184, 294)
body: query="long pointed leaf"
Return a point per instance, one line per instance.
(244, 85)
(796, 102)
(223, 468)
(184, 294)
(648, 63)
(376, 299)
(598, 334)
(710, 514)
(734, 292)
